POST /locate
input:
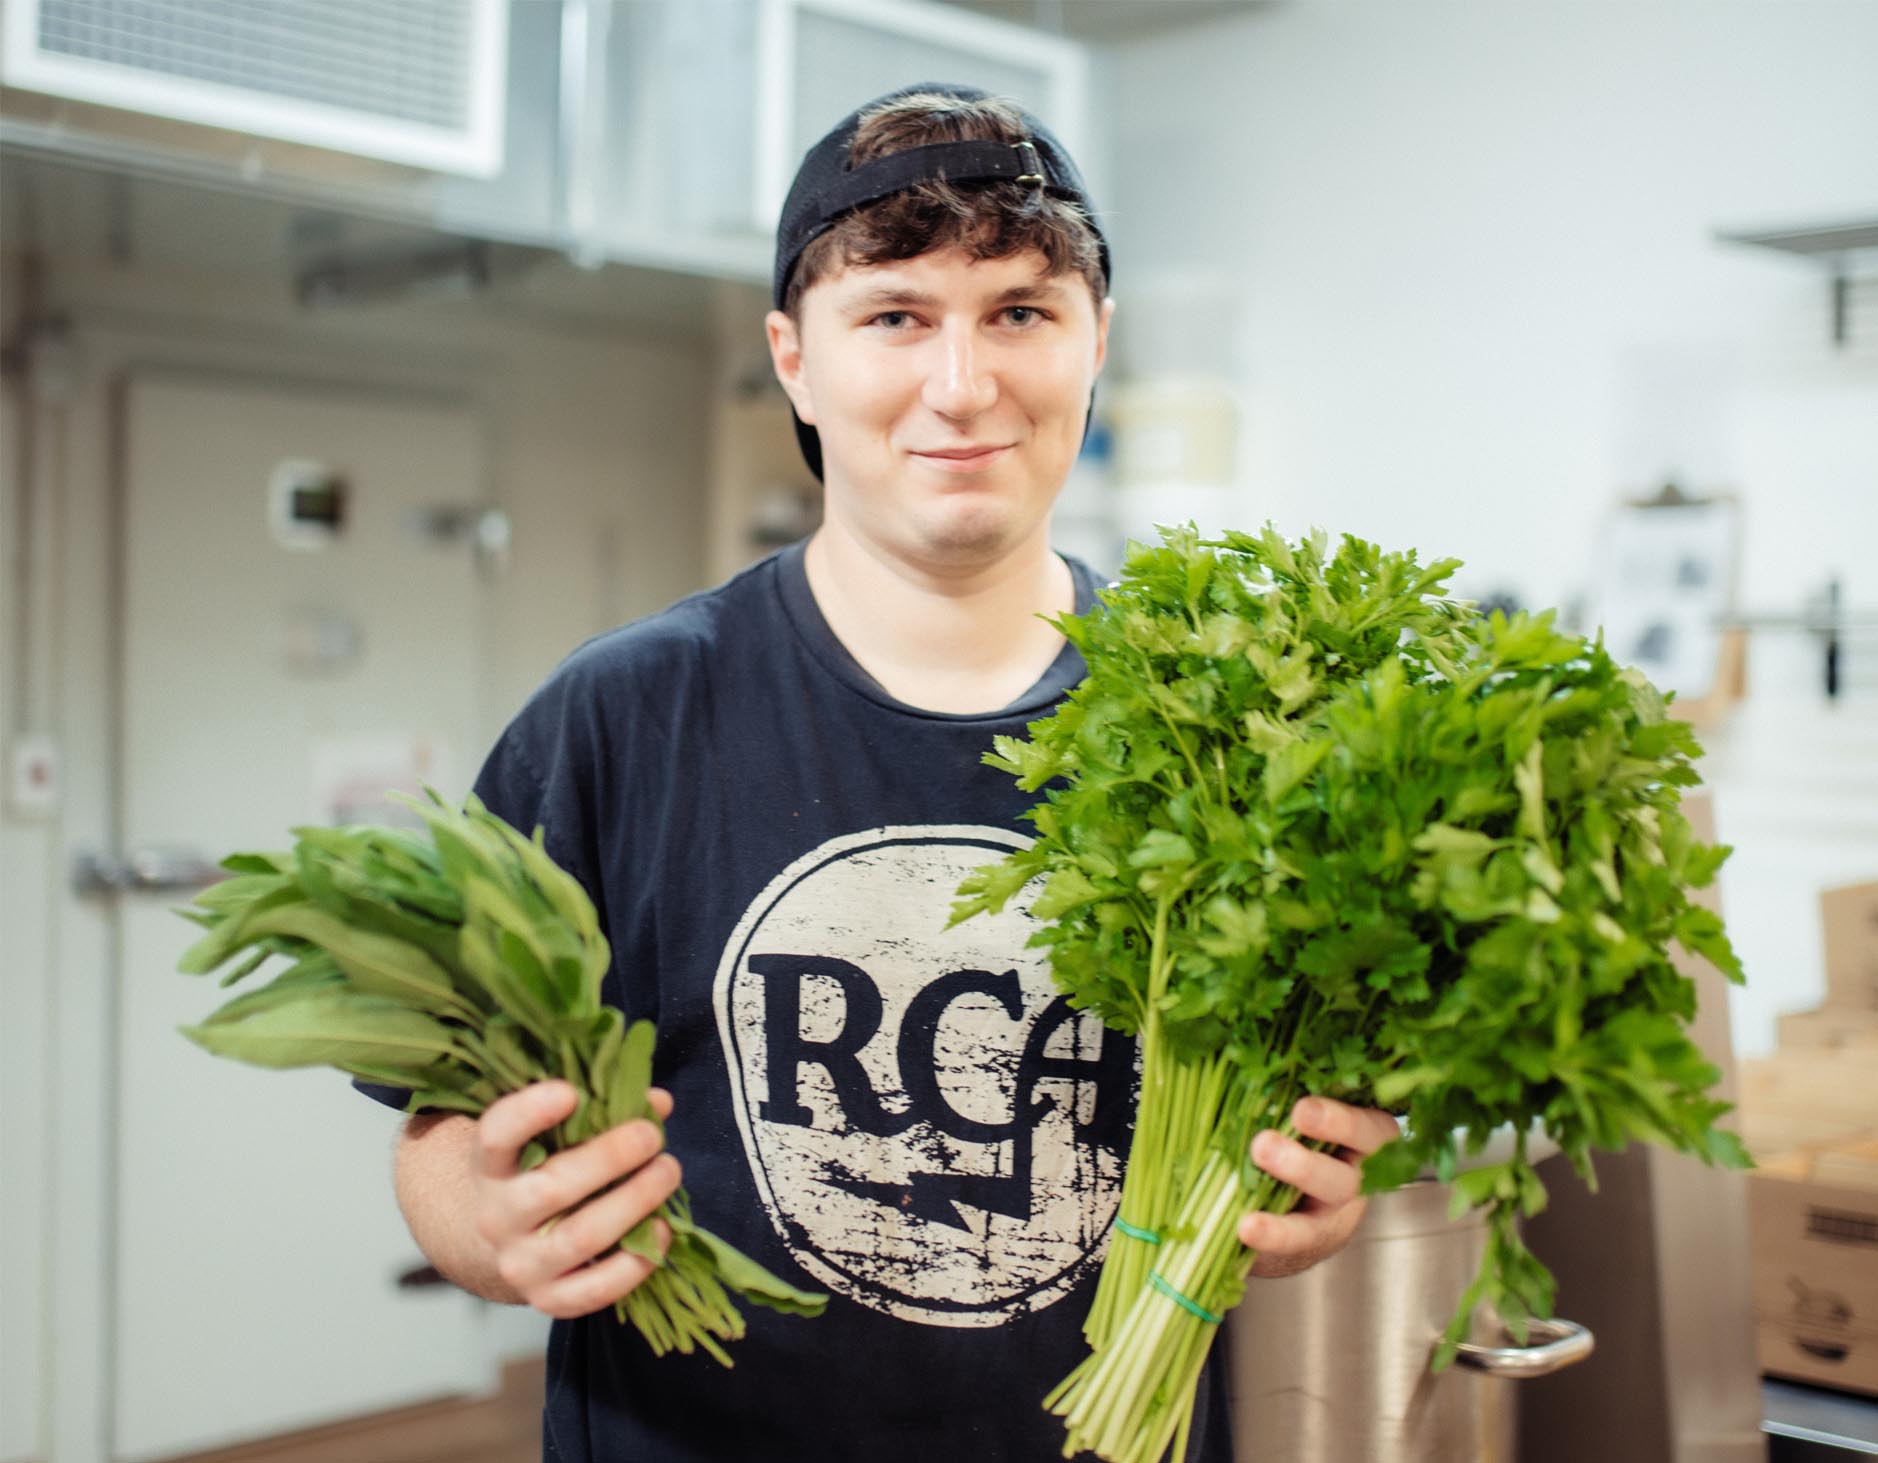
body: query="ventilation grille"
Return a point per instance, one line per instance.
(412, 80)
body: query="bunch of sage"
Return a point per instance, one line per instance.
(1311, 826)
(462, 963)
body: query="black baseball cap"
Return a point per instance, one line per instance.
(826, 188)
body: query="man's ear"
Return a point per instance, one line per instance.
(1102, 332)
(785, 354)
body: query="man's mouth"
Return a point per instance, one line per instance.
(963, 459)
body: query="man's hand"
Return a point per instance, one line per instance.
(599, 1190)
(1329, 1208)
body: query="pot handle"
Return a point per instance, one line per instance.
(1559, 1344)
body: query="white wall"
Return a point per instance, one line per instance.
(609, 508)
(1456, 256)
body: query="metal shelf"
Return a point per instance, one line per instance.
(1816, 1424)
(1835, 244)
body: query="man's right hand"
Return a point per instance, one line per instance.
(599, 1189)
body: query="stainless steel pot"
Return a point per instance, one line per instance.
(1331, 1366)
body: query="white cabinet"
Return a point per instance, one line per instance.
(825, 57)
(695, 116)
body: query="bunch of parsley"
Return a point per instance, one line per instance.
(1311, 826)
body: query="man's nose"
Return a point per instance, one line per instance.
(961, 381)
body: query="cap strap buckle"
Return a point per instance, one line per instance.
(1030, 162)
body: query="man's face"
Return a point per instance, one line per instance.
(899, 363)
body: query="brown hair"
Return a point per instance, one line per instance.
(991, 220)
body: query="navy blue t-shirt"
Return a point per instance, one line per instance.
(907, 1117)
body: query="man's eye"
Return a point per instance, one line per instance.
(889, 315)
(1027, 310)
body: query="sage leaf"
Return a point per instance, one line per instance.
(459, 963)
(631, 1075)
(334, 1028)
(750, 1280)
(231, 934)
(313, 974)
(376, 964)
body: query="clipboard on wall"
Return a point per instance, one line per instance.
(1663, 591)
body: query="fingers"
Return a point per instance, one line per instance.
(1360, 1129)
(596, 1227)
(1288, 1243)
(509, 1123)
(596, 1286)
(1329, 1184)
(571, 1176)
(554, 1230)
(575, 1238)
(549, 1263)
(1281, 1236)
(1330, 1180)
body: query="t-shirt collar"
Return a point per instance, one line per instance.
(805, 615)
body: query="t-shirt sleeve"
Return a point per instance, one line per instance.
(533, 776)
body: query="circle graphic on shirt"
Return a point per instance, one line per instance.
(934, 1132)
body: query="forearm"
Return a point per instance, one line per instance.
(435, 1184)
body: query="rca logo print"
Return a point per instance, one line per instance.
(934, 1132)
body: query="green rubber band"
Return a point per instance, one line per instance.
(1146, 1236)
(1154, 1279)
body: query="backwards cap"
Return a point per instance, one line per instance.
(826, 188)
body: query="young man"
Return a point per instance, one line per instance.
(772, 790)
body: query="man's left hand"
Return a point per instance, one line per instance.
(1329, 1207)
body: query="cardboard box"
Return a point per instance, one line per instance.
(1807, 1100)
(1815, 1247)
(1852, 1166)
(1773, 1139)
(1849, 917)
(1830, 1027)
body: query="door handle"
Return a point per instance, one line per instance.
(420, 1276)
(146, 871)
